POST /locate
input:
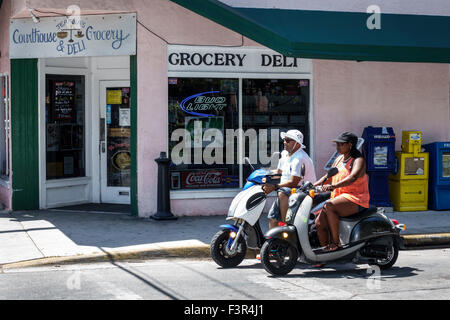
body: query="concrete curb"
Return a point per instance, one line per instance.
(423, 240)
(189, 252)
(192, 251)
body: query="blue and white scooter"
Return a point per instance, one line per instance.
(229, 245)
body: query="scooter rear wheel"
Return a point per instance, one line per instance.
(220, 252)
(279, 257)
(391, 259)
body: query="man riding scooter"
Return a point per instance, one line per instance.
(289, 167)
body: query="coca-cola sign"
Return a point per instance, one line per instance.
(202, 178)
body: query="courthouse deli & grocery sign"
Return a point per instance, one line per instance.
(94, 35)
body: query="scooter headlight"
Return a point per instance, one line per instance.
(292, 199)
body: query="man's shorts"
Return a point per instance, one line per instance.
(274, 212)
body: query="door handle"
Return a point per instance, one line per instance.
(102, 129)
(102, 146)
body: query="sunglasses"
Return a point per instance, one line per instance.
(288, 140)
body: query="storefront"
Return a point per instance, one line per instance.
(88, 120)
(231, 103)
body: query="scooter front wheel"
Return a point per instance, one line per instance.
(278, 256)
(220, 250)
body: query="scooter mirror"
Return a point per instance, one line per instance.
(274, 159)
(247, 161)
(332, 172)
(302, 172)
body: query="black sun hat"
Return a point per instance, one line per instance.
(347, 137)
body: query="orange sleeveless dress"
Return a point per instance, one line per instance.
(358, 191)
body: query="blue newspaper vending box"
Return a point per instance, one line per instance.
(379, 153)
(439, 175)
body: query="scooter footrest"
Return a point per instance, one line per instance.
(322, 249)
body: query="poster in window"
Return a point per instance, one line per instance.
(446, 164)
(380, 156)
(114, 96)
(414, 166)
(64, 100)
(124, 117)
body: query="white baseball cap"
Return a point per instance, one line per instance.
(295, 135)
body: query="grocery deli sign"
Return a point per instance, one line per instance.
(217, 59)
(93, 35)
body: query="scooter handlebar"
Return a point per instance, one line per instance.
(272, 178)
(319, 189)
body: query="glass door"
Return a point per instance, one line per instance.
(114, 144)
(64, 120)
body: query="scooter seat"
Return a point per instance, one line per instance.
(360, 215)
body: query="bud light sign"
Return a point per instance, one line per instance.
(200, 102)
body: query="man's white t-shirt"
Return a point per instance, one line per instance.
(291, 166)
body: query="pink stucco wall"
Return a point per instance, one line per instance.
(347, 95)
(5, 11)
(169, 24)
(187, 28)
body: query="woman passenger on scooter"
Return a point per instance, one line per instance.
(350, 190)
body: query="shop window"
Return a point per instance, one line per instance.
(201, 110)
(64, 118)
(276, 105)
(4, 126)
(198, 104)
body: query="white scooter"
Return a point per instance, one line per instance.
(367, 237)
(229, 245)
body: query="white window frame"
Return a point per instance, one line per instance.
(231, 192)
(4, 177)
(46, 185)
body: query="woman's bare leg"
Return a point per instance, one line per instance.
(322, 227)
(338, 207)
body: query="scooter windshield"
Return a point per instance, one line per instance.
(256, 178)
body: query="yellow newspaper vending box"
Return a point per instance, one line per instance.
(411, 141)
(408, 187)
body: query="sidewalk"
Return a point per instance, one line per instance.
(31, 238)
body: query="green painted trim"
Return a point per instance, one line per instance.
(334, 35)
(232, 19)
(133, 142)
(24, 134)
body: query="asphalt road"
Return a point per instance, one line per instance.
(418, 274)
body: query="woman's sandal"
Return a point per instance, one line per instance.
(319, 265)
(332, 247)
